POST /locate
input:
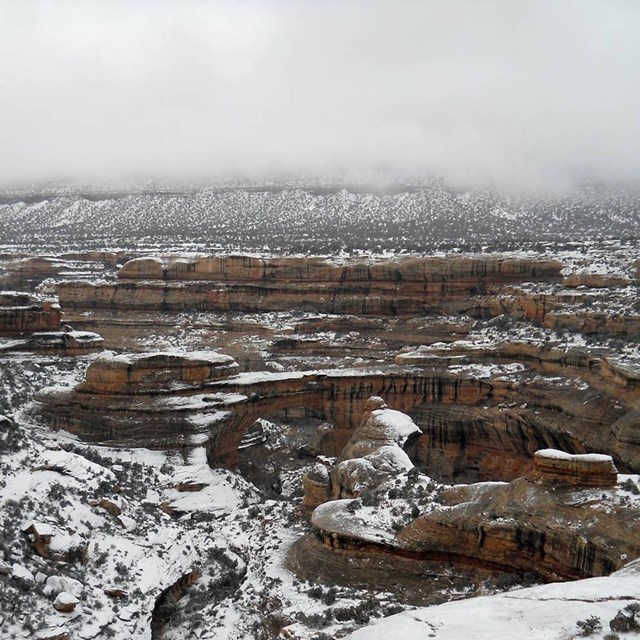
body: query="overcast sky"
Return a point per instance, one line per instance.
(526, 93)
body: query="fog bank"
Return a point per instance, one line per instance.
(514, 93)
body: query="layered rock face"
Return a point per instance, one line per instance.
(33, 323)
(154, 373)
(482, 286)
(218, 412)
(606, 310)
(475, 423)
(153, 400)
(567, 519)
(595, 280)
(587, 470)
(544, 530)
(21, 313)
(245, 283)
(61, 342)
(25, 274)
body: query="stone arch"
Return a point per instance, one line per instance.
(340, 399)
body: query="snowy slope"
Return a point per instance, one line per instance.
(546, 612)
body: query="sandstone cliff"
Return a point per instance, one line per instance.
(476, 422)
(246, 283)
(20, 313)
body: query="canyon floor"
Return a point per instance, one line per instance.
(312, 413)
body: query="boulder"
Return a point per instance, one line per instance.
(551, 466)
(65, 602)
(110, 506)
(55, 585)
(317, 485)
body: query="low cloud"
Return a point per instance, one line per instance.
(515, 93)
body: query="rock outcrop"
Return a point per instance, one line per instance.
(562, 527)
(316, 484)
(554, 467)
(28, 272)
(156, 399)
(376, 451)
(51, 542)
(62, 342)
(154, 373)
(247, 283)
(380, 427)
(595, 280)
(21, 313)
(34, 323)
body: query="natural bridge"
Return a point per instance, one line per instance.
(477, 421)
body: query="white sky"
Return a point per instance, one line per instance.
(520, 92)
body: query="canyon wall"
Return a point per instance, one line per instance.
(244, 283)
(472, 427)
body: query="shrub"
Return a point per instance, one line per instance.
(589, 626)
(626, 619)
(631, 486)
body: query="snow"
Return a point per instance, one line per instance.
(40, 528)
(555, 454)
(547, 612)
(302, 218)
(62, 541)
(390, 459)
(399, 423)
(19, 571)
(332, 516)
(58, 584)
(210, 358)
(76, 466)
(218, 494)
(51, 632)
(265, 376)
(128, 523)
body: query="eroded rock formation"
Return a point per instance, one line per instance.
(247, 283)
(22, 312)
(476, 421)
(554, 523)
(28, 272)
(376, 451)
(559, 468)
(154, 373)
(34, 323)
